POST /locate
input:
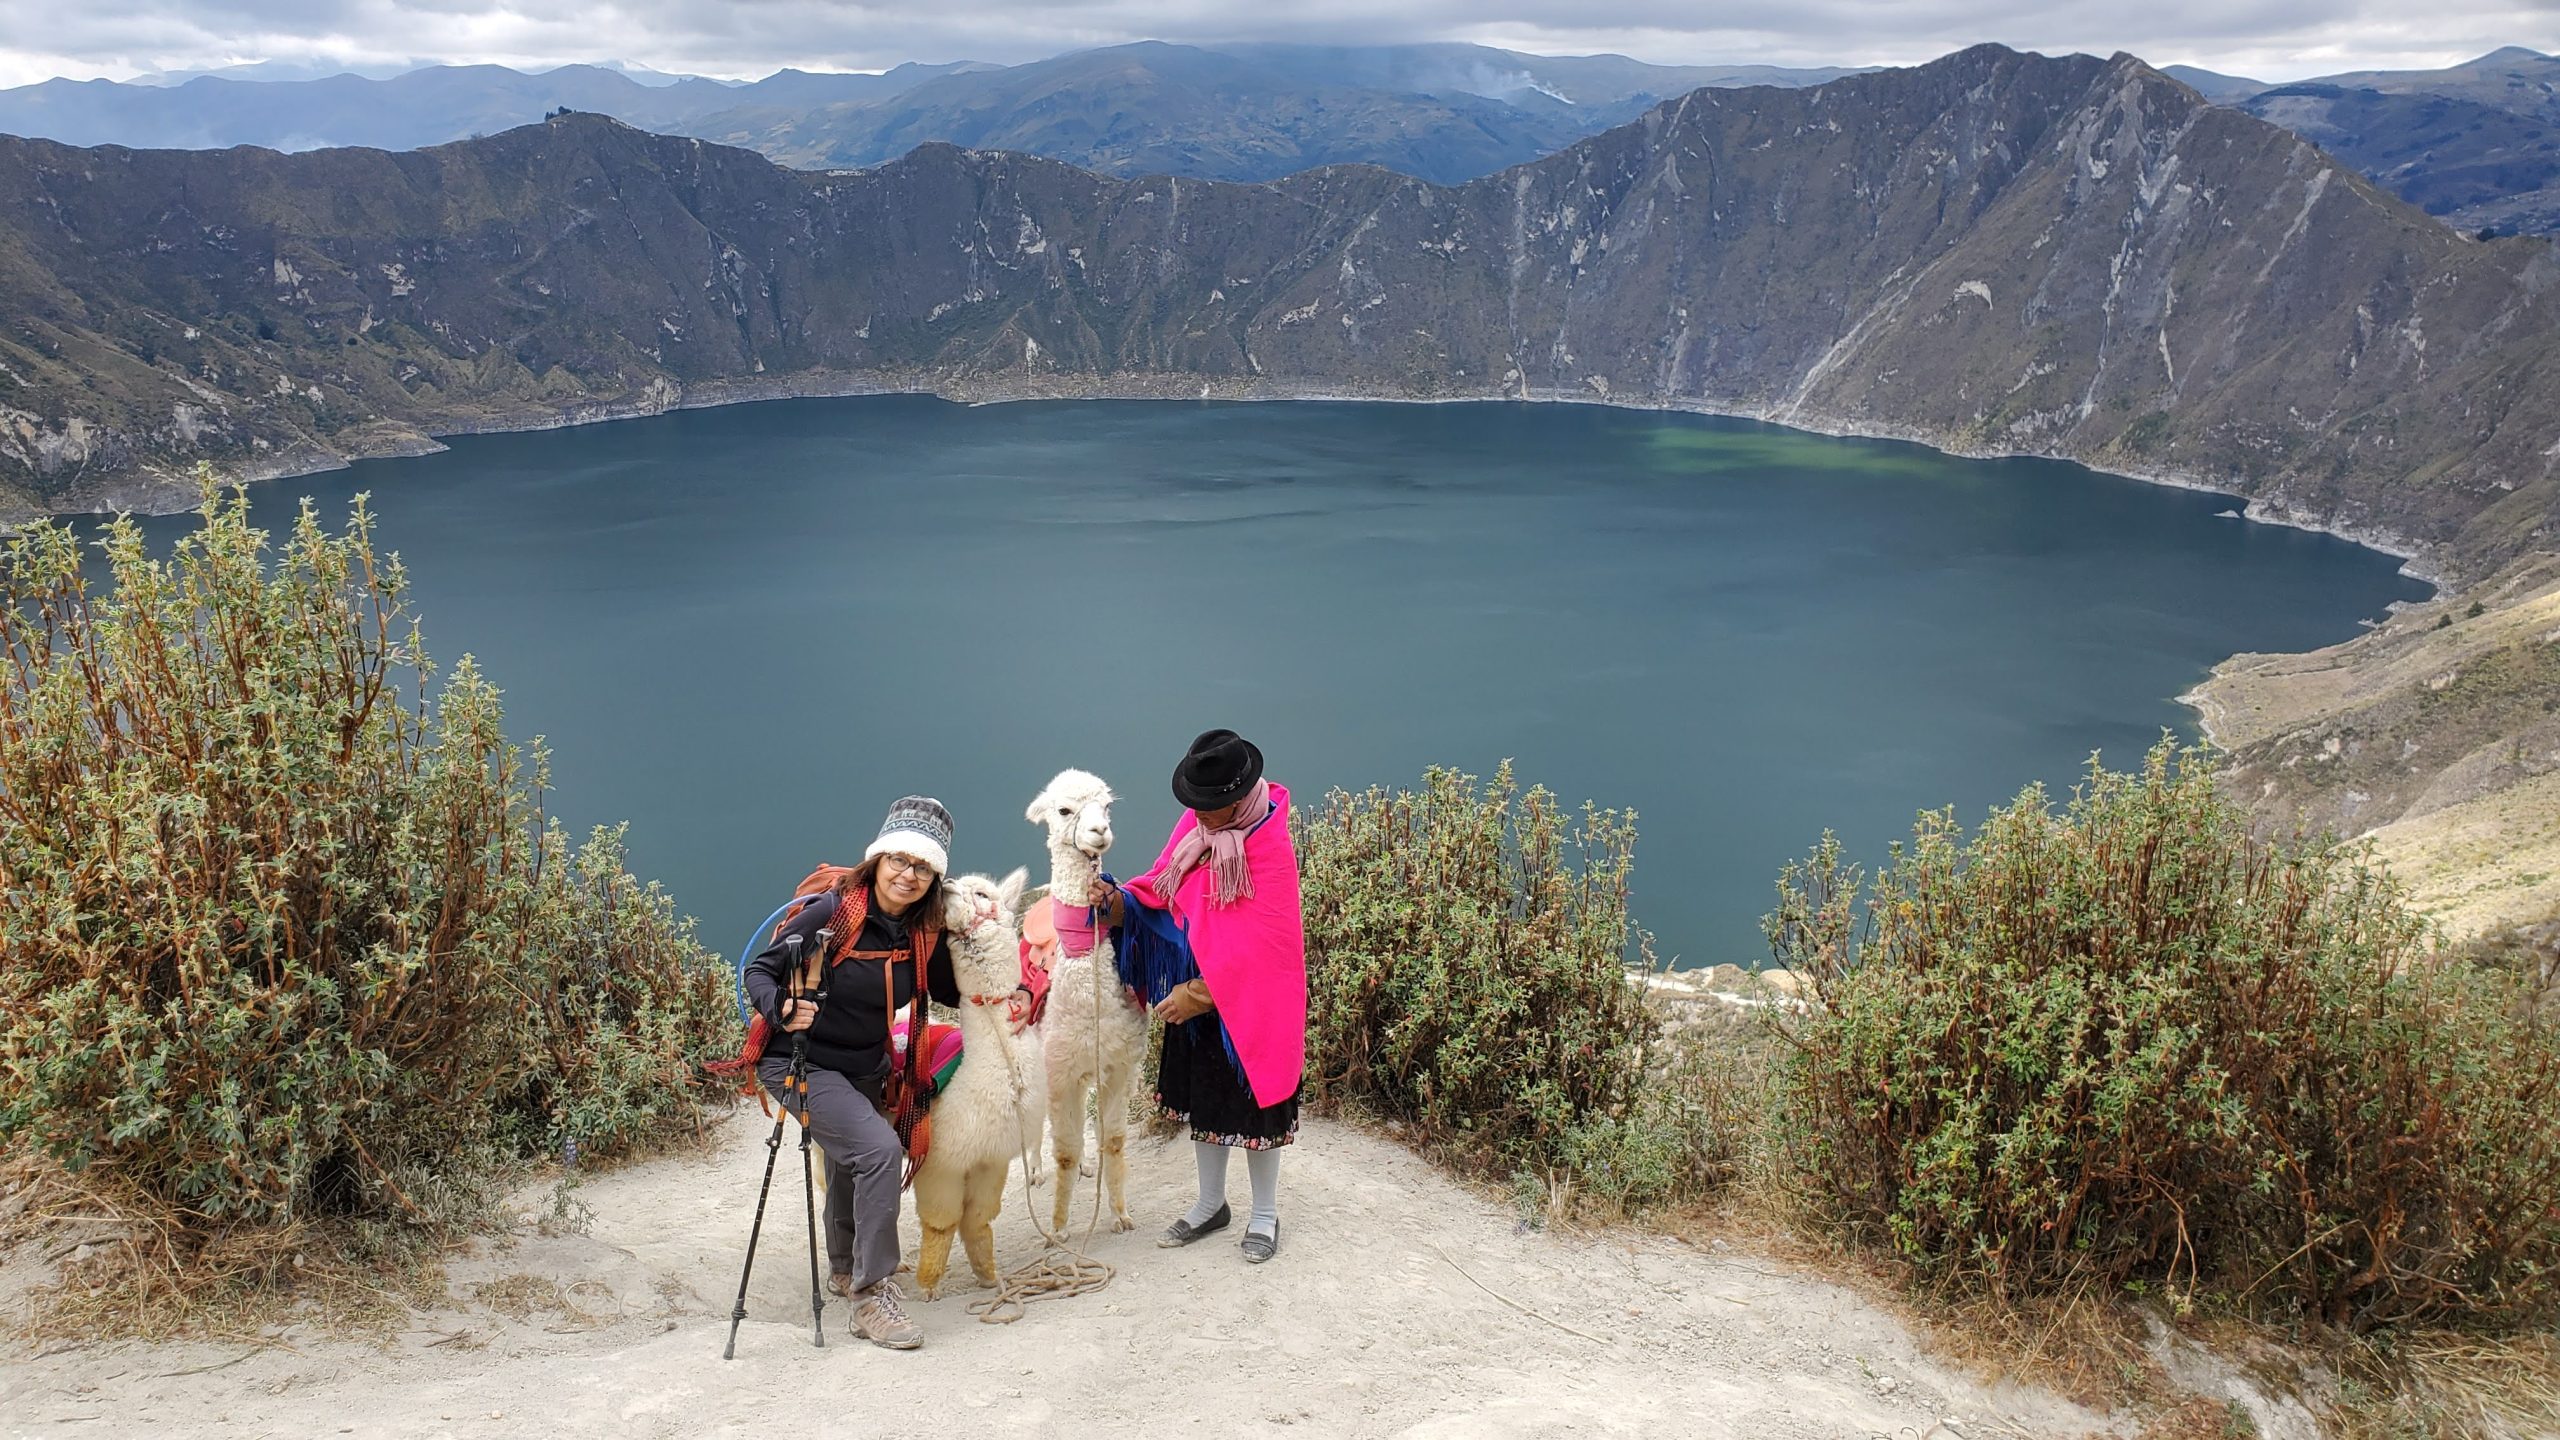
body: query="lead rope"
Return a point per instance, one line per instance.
(1062, 1270)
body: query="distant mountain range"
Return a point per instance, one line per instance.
(1446, 113)
(273, 70)
(1996, 253)
(2477, 145)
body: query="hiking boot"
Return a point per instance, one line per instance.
(879, 1317)
(840, 1284)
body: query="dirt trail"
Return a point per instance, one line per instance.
(1364, 1326)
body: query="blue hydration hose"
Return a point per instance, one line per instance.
(755, 943)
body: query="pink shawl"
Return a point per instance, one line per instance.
(1252, 953)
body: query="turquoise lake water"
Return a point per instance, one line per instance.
(746, 630)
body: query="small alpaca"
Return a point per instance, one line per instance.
(990, 1116)
(1085, 999)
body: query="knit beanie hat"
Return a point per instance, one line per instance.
(917, 826)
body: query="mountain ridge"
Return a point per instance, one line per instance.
(2476, 144)
(1994, 253)
(1445, 112)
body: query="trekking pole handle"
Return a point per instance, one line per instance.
(790, 977)
(817, 982)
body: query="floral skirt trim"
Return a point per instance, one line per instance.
(1239, 1142)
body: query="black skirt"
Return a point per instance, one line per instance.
(1197, 1083)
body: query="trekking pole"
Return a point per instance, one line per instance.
(808, 1186)
(772, 1145)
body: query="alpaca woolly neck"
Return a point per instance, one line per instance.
(1071, 872)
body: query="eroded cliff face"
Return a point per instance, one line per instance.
(1995, 252)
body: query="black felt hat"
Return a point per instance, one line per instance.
(1220, 769)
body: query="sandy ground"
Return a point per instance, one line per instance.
(1366, 1325)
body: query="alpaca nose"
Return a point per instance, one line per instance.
(1094, 839)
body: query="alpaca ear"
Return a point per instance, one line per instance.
(1009, 889)
(1038, 811)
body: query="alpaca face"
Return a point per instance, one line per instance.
(1076, 810)
(978, 914)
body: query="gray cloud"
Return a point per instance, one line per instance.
(2273, 39)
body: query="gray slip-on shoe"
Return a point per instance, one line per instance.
(1182, 1232)
(1259, 1247)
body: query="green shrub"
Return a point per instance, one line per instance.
(1696, 1124)
(284, 938)
(2132, 1043)
(1469, 956)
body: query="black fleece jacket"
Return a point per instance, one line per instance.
(851, 1033)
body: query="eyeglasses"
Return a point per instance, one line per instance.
(904, 865)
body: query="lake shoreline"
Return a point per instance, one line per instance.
(2132, 592)
(387, 439)
(160, 492)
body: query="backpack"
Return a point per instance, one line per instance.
(906, 1092)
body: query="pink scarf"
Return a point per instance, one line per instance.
(1223, 848)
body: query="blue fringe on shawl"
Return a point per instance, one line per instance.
(1154, 956)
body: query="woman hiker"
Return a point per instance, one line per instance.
(897, 893)
(1212, 940)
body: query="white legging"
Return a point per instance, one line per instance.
(1261, 1166)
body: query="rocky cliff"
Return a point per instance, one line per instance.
(1994, 252)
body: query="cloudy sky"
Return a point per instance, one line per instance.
(2269, 39)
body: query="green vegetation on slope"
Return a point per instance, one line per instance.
(1470, 949)
(2123, 1044)
(288, 944)
(2131, 1043)
(287, 939)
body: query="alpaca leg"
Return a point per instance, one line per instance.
(932, 1257)
(1111, 1118)
(1066, 1136)
(938, 1202)
(1034, 1134)
(980, 1203)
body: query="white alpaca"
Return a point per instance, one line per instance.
(1093, 1040)
(991, 1115)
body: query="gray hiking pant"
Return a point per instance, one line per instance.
(865, 1169)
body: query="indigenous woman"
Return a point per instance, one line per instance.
(1211, 939)
(886, 915)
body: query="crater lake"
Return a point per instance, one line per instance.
(745, 630)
